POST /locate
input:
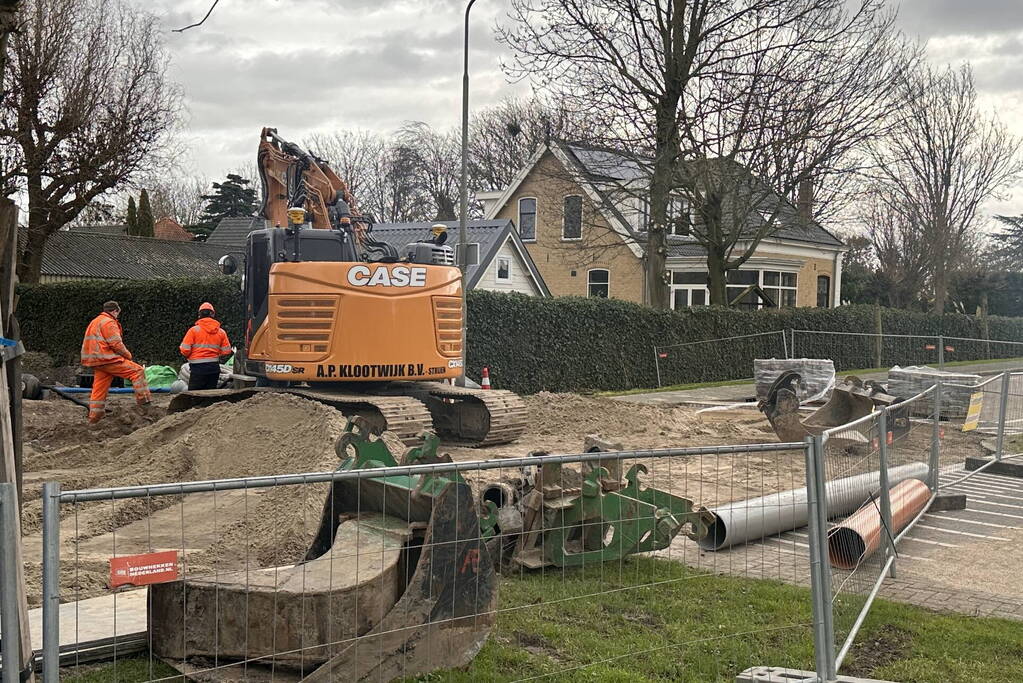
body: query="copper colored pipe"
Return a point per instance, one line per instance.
(856, 539)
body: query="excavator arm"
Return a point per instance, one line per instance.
(292, 177)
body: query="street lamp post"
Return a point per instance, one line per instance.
(464, 187)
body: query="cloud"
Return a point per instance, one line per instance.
(929, 18)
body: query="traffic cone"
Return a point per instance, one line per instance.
(485, 380)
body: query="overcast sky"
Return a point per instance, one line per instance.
(318, 65)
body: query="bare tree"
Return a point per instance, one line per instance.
(944, 159)
(729, 104)
(503, 138)
(180, 197)
(88, 107)
(899, 245)
(435, 158)
(355, 155)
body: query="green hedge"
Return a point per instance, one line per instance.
(530, 344)
(155, 314)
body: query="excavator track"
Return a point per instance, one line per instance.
(404, 416)
(475, 417)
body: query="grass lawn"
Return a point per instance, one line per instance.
(697, 628)
(840, 373)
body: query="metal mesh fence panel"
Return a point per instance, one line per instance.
(862, 351)
(485, 567)
(877, 474)
(717, 360)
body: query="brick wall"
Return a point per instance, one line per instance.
(558, 259)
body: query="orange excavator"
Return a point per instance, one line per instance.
(336, 316)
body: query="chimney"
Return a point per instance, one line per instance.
(804, 199)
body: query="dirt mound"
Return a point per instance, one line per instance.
(57, 423)
(266, 434)
(635, 425)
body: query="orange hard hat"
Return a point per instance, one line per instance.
(206, 306)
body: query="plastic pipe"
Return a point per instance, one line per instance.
(859, 536)
(753, 519)
(116, 390)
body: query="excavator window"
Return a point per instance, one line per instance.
(257, 276)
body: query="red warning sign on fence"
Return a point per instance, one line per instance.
(142, 570)
(950, 349)
(929, 347)
(662, 355)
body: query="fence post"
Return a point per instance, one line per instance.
(822, 540)
(9, 617)
(51, 581)
(657, 365)
(820, 569)
(818, 602)
(785, 343)
(792, 346)
(886, 501)
(935, 459)
(1003, 404)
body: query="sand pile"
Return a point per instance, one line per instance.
(266, 434)
(635, 425)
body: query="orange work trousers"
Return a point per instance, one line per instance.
(103, 376)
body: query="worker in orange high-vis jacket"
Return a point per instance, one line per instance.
(205, 345)
(104, 351)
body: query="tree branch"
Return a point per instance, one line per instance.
(199, 23)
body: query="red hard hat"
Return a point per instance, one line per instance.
(206, 306)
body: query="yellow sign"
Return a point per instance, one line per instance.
(973, 412)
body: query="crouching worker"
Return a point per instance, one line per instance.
(205, 345)
(104, 351)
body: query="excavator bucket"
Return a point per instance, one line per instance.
(850, 400)
(397, 582)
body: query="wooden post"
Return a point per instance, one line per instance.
(10, 439)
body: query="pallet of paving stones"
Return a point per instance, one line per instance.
(956, 388)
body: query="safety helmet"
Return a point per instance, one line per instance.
(206, 306)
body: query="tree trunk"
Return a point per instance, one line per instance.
(30, 263)
(940, 286)
(716, 278)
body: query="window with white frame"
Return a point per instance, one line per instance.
(780, 286)
(503, 268)
(689, 289)
(679, 215)
(527, 218)
(572, 226)
(598, 283)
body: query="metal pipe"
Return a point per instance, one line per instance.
(859, 536)
(51, 581)
(10, 621)
(757, 518)
(119, 493)
(657, 367)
